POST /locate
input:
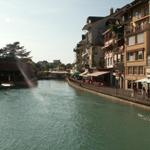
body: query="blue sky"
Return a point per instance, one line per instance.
(49, 29)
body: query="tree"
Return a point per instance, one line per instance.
(43, 65)
(14, 51)
(62, 66)
(69, 66)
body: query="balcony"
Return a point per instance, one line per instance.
(109, 43)
(137, 29)
(84, 54)
(140, 17)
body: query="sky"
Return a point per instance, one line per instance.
(50, 29)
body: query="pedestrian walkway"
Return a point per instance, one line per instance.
(128, 95)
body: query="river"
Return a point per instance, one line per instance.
(55, 116)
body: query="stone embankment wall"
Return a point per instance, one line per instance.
(125, 95)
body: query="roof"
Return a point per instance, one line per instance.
(94, 18)
(137, 2)
(93, 24)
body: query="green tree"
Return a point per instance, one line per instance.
(14, 51)
(62, 66)
(43, 65)
(69, 66)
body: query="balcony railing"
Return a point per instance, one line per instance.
(138, 28)
(84, 54)
(140, 17)
(109, 43)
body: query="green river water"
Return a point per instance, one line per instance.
(55, 116)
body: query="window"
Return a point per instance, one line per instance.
(110, 61)
(89, 37)
(119, 57)
(107, 61)
(131, 40)
(140, 38)
(129, 70)
(115, 57)
(135, 70)
(141, 54)
(141, 71)
(131, 56)
(146, 11)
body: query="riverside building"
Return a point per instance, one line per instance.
(137, 48)
(119, 44)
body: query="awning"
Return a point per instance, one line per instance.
(145, 80)
(58, 72)
(83, 73)
(98, 73)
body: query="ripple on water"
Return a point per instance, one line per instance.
(55, 116)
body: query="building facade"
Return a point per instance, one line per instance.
(137, 50)
(120, 44)
(94, 41)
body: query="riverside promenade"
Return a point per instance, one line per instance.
(125, 95)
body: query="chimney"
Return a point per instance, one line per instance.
(111, 11)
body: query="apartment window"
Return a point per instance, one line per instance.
(110, 61)
(141, 54)
(140, 38)
(129, 70)
(89, 37)
(115, 57)
(141, 71)
(131, 40)
(107, 61)
(135, 70)
(146, 11)
(135, 13)
(131, 56)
